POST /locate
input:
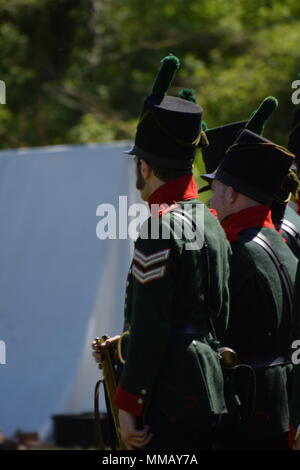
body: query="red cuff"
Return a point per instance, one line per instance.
(291, 437)
(128, 402)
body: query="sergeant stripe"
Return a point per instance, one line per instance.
(146, 261)
(144, 277)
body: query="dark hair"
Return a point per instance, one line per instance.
(169, 174)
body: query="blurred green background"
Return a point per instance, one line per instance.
(77, 71)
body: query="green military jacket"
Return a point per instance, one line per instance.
(169, 359)
(288, 232)
(295, 403)
(259, 323)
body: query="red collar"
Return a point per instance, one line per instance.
(258, 216)
(180, 189)
(298, 204)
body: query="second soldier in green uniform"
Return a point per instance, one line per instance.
(261, 279)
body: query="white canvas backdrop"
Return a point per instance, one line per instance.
(60, 286)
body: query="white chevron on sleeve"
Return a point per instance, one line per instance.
(146, 261)
(144, 277)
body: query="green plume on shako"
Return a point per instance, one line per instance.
(259, 118)
(204, 126)
(169, 129)
(189, 95)
(164, 77)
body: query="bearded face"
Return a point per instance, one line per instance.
(140, 182)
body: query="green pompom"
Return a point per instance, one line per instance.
(259, 118)
(204, 126)
(188, 95)
(168, 68)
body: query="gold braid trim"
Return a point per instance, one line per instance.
(283, 201)
(257, 146)
(204, 142)
(291, 184)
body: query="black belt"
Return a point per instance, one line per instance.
(265, 362)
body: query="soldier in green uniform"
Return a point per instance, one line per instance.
(170, 395)
(285, 218)
(261, 278)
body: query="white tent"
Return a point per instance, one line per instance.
(60, 285)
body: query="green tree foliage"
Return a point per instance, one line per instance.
(77, 72)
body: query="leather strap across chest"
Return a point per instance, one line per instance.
(261, 240)
(200, 245)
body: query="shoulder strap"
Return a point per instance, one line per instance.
(284, 275)
(205, 247)
(187, 217)
(291, 229)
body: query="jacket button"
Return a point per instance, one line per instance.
(140, 401)
(143, 392)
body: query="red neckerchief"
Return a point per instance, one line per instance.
(180, 189)
(252, 217)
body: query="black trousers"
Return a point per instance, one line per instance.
(190, 434)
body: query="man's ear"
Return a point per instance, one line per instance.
(232, 195)
(145, 169)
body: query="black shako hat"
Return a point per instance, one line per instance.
(220, 139)
(254, 166)
(169, 128)
(294, 137)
